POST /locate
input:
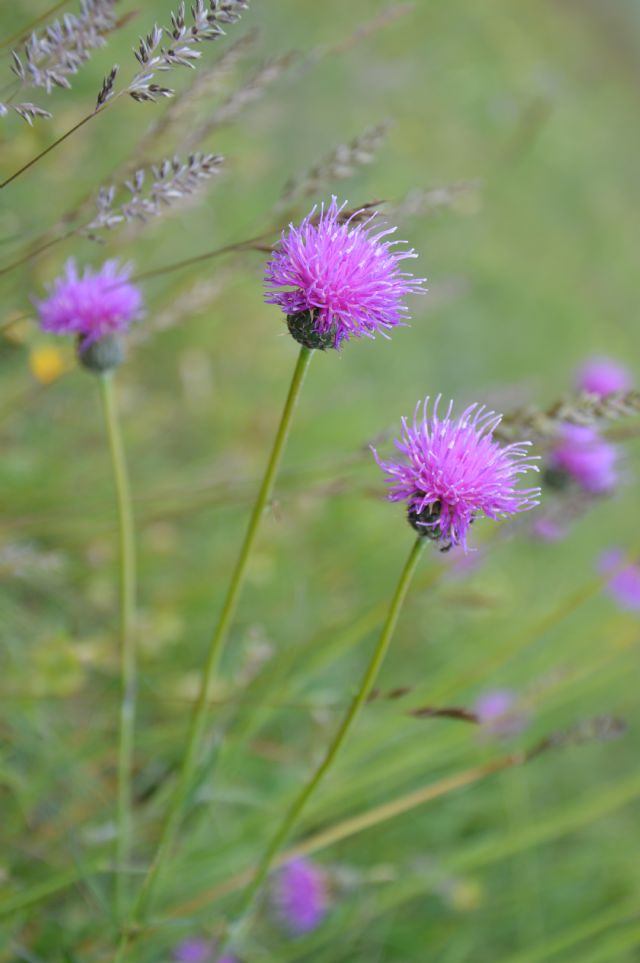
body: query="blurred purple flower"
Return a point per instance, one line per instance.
(497, 711)
(345, 276)
(193, 950)
(624, 582)
(300, 895)
(453, 470)
(603, 376)
(93, 304)
(548, 529)
(583, 454)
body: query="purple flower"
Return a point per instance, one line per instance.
(300, 895)
(584, 455)
(624, 579)
(193, 950)
(497, 711)
(603, 376)
(453, 470)
(343, 278)
(91, 305)
(548, 529)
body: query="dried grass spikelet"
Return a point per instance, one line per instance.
(172, 181)
(341, 162)
(583, 409)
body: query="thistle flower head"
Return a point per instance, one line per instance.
(193, 950)
(336, 279)
(586, 457)
(498, 712)
(453, 470)
(300, 895)
(603, 376)
(91, 305)
(623, 580)
(548, 529)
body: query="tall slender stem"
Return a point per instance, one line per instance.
(127, 592)
(365, 687)
(218, 639)
(56, 143)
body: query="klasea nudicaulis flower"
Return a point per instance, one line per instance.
(452, 470)
(93, 304)
(584, 456)
(500, 714)
(603, 376)
(623, 579)
(339, 278)
(300, 895)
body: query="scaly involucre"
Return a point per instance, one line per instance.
(346, 276)
(93, 304)
(452, 470)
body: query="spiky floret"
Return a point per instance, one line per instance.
(603, 376)
(93, 304)
(452, 470)
(343, 274)
(582, 454)
(300, 895)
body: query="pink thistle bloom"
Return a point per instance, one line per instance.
(91, 305)
(548, 529)
(584, 455)
(624, 581)
(193, 950)
(300, 895)
(343, 278)
(603, 376)
(453, 470)
(498, 712)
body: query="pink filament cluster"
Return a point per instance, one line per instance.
(587, 457)
(456, 465)
(92, 304)
(342, 272)
(301, 895)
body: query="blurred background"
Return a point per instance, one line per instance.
(504, 141)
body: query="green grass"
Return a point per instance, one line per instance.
(529, 272)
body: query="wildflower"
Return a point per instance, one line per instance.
(624, 580)
(497, 711)
(193, 950)
(46, 364)
(453, 470)
(548, 529)
(583, 455)
(96, 306)
(300, 895)
(340, 279)
(603, 376)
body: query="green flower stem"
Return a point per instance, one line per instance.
(216, 646)
(366, 685)
(127, 592)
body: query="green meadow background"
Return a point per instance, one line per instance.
(527, 115)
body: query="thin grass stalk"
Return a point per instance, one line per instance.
(30, 27)
(365, 687)
(216, 646)
(127, 642)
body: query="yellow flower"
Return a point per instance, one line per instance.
(46, 364)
